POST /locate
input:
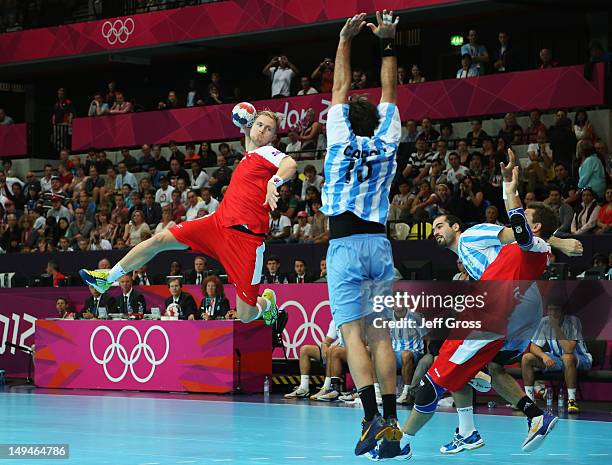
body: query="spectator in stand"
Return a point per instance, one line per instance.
(446, 135)
(310, 131)
(65, 176)
(97, 243)
(535, 126)
(4, 118)
(272, 274)
(464, 152)
(470, 206)
(63, 110)
(229, 153)
(281, 72)
(210, 204)
(214, 95)
(166, 220)
(178, 207)
(287, 203)
(546, 59)
(120, 244)
(319, 232)
(193, 95)
(193, 206)
(400, 207)
(300, 273)
(563, 141)
(477, 171)
(220, 177)
(200, 271)
(208, 157)
(411, 132)
(214, 304)
(477, 52)
(119, 214)
(64, 245)
(564, 212)
(121, 105)
(190, 153)
(462, 275)
(509, 126)
(151, 210)
(541, 157)
(135, 229)
(199, 178)
(45, 181)
(301, 229)
(562, 333)
(93, 184)
(125, 177)
(415, 75)
(427, 132)
(583, 129)
(585, 219)
(492, 215)
(503, 60)
(185, 302)
(171, 102)
(102, 162)
(311, 178)
(155, 158)
(105, 229)
(63, 309)
(16, 195)
(133, 200)
(358, 80)
(130, 300)
(604, 218)
(57, 210)
(467, 69)
(95, 302)
(140, 277)
(80, 228)
(11, 234)
(475, 136)
(418, 163)
(591, 173)
(280, 228)
(422, 203)
(324, 74)
(98, 106)
(322, 277)
(175, 153)
(176, 173)
(602, 152)
(111, 95)
(294, 144)
(32, 182)
(305, 87)
(53, 270)
(402, 76)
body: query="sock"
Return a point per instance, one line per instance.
(529, 391)
(377, 389)
(389, 406)
(571, 394)
(115, 273)
(327, 383)
(405, 390)
(466, 421)
(529, 407)
(304, 382)
(261, 310)
(336, 384)
(368, 400)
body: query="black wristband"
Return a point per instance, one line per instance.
(387, 47)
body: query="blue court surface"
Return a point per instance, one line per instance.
(116, 429)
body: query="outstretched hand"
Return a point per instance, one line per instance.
(271, 196)
(353, 26)
(507, 169)
(386, 25)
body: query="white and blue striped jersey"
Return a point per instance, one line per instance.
(408, 338)
(359, 170)
(572, 328)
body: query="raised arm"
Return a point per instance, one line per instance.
(342, 69)
(385, 31)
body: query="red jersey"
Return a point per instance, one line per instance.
(513, 263)
(244, 199)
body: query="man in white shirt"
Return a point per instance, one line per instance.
(280, 227)
(193, 206)
(306, 89)
(199, 178)
(163, 196)
(280, 71)
(125, 177)
(210, 204)
(477, 52)
(467, 69)
(45, 182)
(294, 144)
(457, 172)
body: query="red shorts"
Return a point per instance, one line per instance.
(459, 361)
(240, 253)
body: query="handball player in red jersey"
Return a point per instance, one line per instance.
(234, 234)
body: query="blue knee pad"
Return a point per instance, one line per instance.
(428, 395)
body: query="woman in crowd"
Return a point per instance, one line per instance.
(78, 182)
(29, 236)
(604, 218)
(310, 131)
(135, 229)
(585, 219)
(591, 172)
(105, 229)
(583, 129)
(463, 152)
(208, 157)
(166, 221)
(214, 305)
(319, 232)
(416, 76)
(59, 229)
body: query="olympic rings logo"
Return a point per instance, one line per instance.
(301, 332)
(117, 30)
(140, 348)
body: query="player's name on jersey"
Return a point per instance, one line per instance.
(434, 323)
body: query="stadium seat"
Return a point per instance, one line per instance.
(420, 231)
(402, 230)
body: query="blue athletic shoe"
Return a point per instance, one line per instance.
(371, 432)
(459, 443)
(398, 450)
(539, 427)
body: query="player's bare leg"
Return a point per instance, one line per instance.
(139, 255)
(264, 308)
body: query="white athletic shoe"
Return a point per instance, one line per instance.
(330, 396)
(349, 397)
(481, 382)
(298, 392)
(321, 392)
(403, 398)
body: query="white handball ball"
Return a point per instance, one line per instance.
(243, 114)
(173, 309)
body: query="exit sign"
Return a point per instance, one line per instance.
(456, 40)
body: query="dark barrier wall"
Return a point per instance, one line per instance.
(443, 261)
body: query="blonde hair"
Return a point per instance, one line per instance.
(270, 114)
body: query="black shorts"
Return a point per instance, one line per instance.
(507, 357)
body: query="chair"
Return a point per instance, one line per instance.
(401, 231)
(277, 331)
(420, 231)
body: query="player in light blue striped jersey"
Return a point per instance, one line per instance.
(362, 141)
